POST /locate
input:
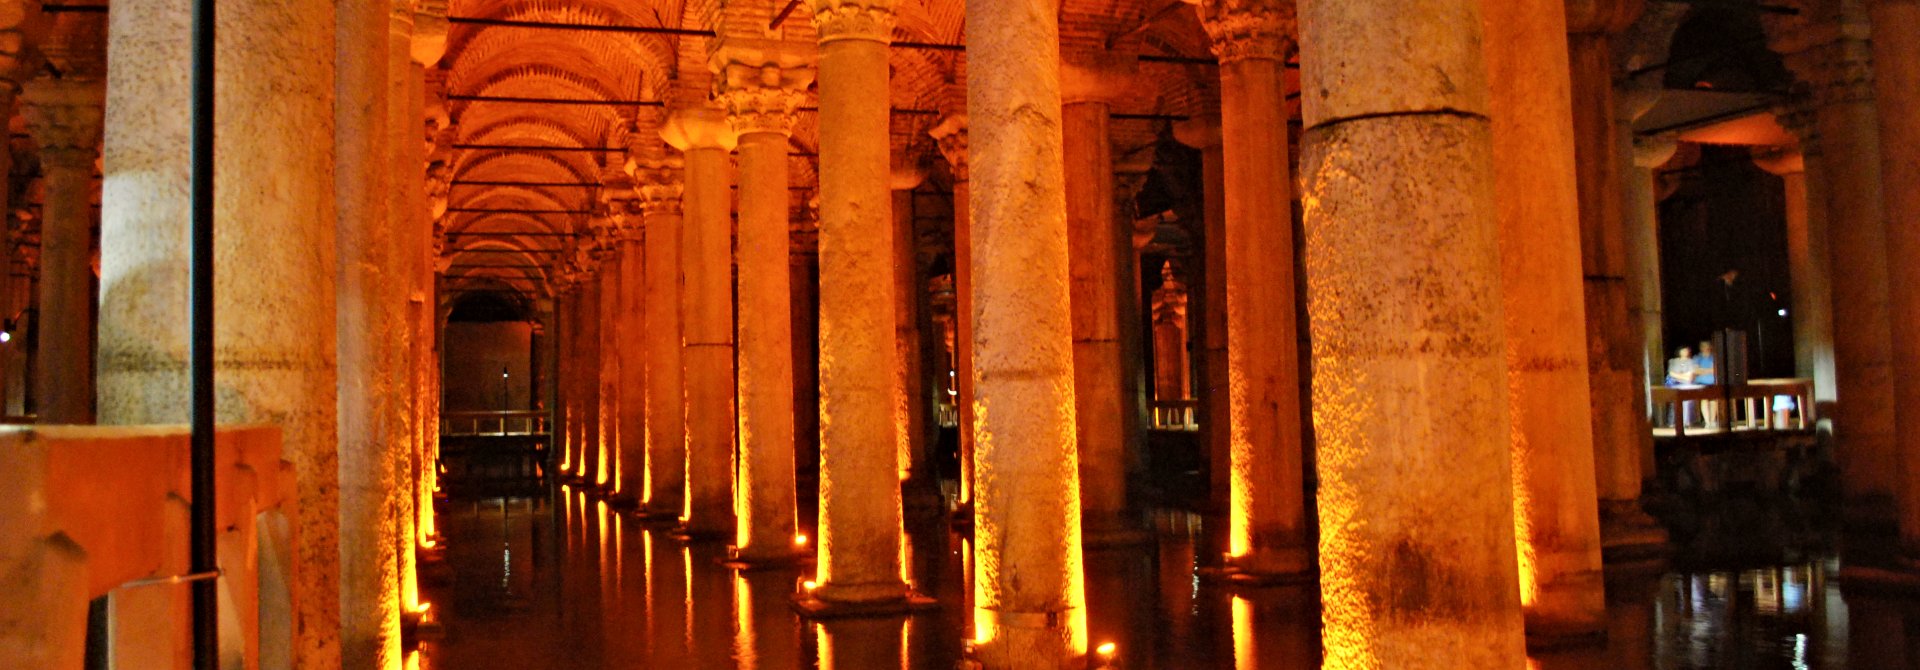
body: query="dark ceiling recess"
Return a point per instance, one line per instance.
(1724, 49)
(484, 306)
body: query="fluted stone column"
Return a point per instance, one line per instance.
(666, 444)
(950, 136)
(1267, 527)
(1094, 241)
(275, 205)
(63, 116)
(632, 343)
(1556, 513)
(1833, 54)
(706, 317)
(1896, 59)
(1417, 566)
(860, 517)
(1029, 607)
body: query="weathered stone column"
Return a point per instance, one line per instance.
(612, 431)
(1832, 53)
(275, 204)
(1215, 417)
(860, 517)
(592, 321)
(706, 317)
(1267, 525)
(1556, 513)
(761, 84)
(1803, 168)
(63, 115)
(1896, 61)
(1029, 607)
(428, 44)
(919, 476)
(950, 135)
(634, 429)
(1620, 429)
(666, 445)
(1417, 566)
(566, 293)
(404, 236)
(1641, 216)
(1094, 241)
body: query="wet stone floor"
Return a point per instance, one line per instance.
(564, 582)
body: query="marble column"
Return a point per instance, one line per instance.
(1211, 327)
(592, 456)
(428, 44)
(950, 136)
(566, 293)
(761, 84)
(635, 467)
(1268, 534)
(63, 116)
(1417, 564)
(612, 431)
(1621, 432)
(405, 239)
(1556, 513)
(1094, 241)
(1641, 215)
(1834, 56)
(276, 164)
(860, 517)
(1029, 607)
(706, 317)
(1802, 167)
(919, 474)
(660, 188)
(1896, 61)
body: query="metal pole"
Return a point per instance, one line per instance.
(206, 617)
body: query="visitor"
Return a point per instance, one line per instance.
(1703, 365)
(1681, 369)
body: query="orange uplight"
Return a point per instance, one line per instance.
(428, 544)
(1105, 650)
(809, 585)
(422, 607)
(800, 540)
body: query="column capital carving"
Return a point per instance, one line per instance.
(950, 135)
(658, 185)
(701, 127)
(870, 20)
(1800, 116)
(761, 83)
(1100, 77)
(64, 117)
(1249, 29)
(1830, 54)
(1653, 151)
(429, 31)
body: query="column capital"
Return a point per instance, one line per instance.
(64, 116)
(1653, 151)
(761, 83)
(429, 31)
(906, 177)
(950, 135)
(1831, 55)
(1198, 132)
(1101, 77)
(1249, 29)
(1780, 161)
(701, 127)
(1799, 114)
(659, 187)
(870, 20)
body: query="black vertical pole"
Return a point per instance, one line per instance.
(206, 631)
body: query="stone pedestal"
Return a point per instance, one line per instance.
(1029, 590)
(1267, 528)
(860, 436)
(760, 83)
(1417, 565)
(706, 313)
(63, 116)
(1556, 515)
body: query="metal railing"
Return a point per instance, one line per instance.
(525, 422)
(1179, 415)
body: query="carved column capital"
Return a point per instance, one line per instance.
(1249, 29)
(659, 187)
(64, 117)
(870, 20)
(761, 83)
(701, 127)
(1829, 53)
(950, 135)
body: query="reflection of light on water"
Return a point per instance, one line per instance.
(1243, 635)
(1800, 651)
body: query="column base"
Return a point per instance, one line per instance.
(657, 515)
(419, 626)
(690, 534)
(755, 560)
(1553, 635)
(810, 604)
(962, 517)
(1629, 535)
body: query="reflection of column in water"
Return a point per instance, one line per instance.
(1277, 630)
(666, 598)
(1877, 630)
(862, 644)
(709, 602)
(1119, 610)
(765, 637)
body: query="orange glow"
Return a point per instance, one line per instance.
(600, 477)
(809, 585)
(1243, 635)
(1527, 556)
(422, 607)
(800, 540)
(428, 544)
(1105, 650)
(1239, 493)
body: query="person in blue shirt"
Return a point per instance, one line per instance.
(1680, 368)
(1703, 365)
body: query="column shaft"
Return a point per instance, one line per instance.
(1556, 512)
(64, 119)
(1094, 239)
(666, 410)
(1029, 590)
(860, 436)
(632, 384)
(612, 432)
(765, 484)
(1896, 59)
(564, 425)
(592, 449)
(707, 317)
(403, 129)
(1410, 392)
(1811, 269)
(1640, 216)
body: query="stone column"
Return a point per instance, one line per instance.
(63, 115)
(592, 321)
(612, 431)
(1833, 55)
(1556, 513)
(860, 437)
(404, 127)
(635, 467)
(1803, 169)
(950, 135)
(1029, 607)
(1896, 60)
(706, 317)
(1211, 327)
(1641, 216)
(275, 199)
(666, 446)
(920, 480)
(1094, 242)
(429, 43)
(761, 84)
(1403, 268)
(564, 429)
(1267, 527)
(1170, 337)
(1620, 429)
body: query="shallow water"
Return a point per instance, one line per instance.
(531, 583)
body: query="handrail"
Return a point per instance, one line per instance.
(1754, 397)
(513, 422)
(1178, 415)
